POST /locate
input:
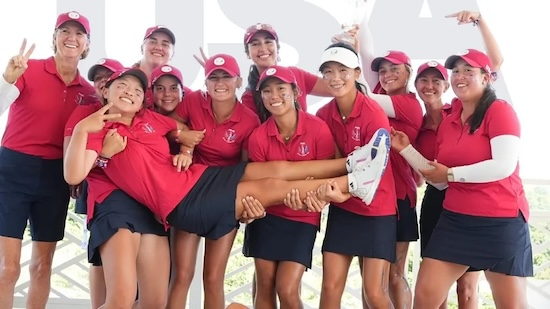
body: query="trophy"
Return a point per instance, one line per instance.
(353, 14)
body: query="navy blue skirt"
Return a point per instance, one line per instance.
(208, 210)
(501, 245)
(275, 238)
(352, 234)
(119, 211)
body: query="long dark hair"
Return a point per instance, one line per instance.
(253, 79)
(489, 96)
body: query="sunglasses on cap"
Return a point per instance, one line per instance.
(258, 27)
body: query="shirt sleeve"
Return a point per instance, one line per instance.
(254, 123)
(80, 112)
(308, 80)
(9, 92)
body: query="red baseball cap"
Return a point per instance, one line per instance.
(252, 30)
(110, 64)
(166, 70)
(73, 16)
(129, 71)
(282, 73)
(393, 56)
(473, 57)
(433, 65)
(160, 28)
(222, 62)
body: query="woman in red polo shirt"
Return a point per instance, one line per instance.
(485, 210)
(226, 125)
(353, 229)
(431, 82)
(40, 95)
(282, 243)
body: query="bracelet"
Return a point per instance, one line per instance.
(101, 162)
(476, 22)
(187, 151)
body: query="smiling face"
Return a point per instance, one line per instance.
(468, 82)
(430, 86)
(167, 93)
(157, 49)
(393, 77)
(339, 79)
(127, 95)
(278, 97)
(71, 41)
(263, 50)
(101, 76)
(222, 86)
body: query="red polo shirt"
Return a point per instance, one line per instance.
(144, 170)
(224, 142)
(365, 119)
(456, 147)
(426, 141)
(37, 118)
(99, 185)
(305, 80)
(311, 141)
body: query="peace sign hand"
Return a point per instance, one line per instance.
(96, 121)
(18, 63)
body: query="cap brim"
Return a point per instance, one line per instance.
(375, 65)
(270, 32)
(92, 71)
(166, 31)
(233, 74)
(284, 80)
(136, 73)
(167, 74)
(340, 55)
(75, 21)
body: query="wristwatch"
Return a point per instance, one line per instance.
(450, 175)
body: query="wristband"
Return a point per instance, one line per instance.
(101, 162)
(187, 151)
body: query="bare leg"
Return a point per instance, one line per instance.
(509, 292)
(435, 278)
(97, 286)
(296, 170)
(10, 257)
(41, 272)
(375, 283)
(334, 279)
(279, 189)
(466, 290)
(216, 255)
(266, 274)
(184, 257)
(153, 271)
(400, 291)
(289, 277)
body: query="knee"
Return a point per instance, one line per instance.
(183, 276)
(288, 293)
(376, 297)
(9, 273)
(160, 302)
(41, 267)
(213, 281)
(466, 290)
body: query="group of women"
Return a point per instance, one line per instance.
(156, 156)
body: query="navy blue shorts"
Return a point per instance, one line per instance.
(501, 245)
(81, 203)
(407, 221)
(208, 210)
(352, 234)
(275, 238)
(119, 211)
(33, 189)
(432, 206)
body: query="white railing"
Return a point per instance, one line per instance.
(70, 273)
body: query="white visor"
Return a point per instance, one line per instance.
(341, 55)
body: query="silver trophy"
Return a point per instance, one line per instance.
(352, 15)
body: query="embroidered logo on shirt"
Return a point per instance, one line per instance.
(230, 136)
(303, 149)
(356, 134)
(148, 128)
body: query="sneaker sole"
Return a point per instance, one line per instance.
(374, 152)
